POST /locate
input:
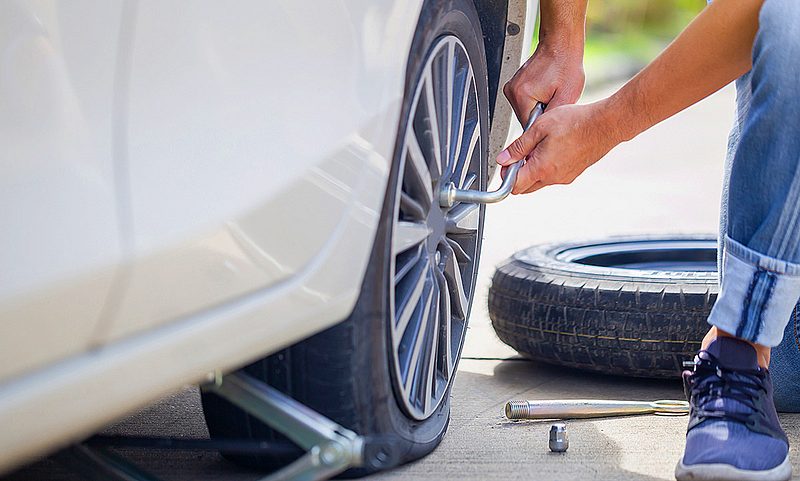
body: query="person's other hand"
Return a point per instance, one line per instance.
(560, 145)
(553, 75)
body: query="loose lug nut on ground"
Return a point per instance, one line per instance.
(559, 439)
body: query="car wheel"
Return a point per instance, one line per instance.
(386, 372)
(633, 306)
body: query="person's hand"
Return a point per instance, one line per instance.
(560, 145)
(553, 75)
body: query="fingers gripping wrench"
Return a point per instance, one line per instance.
(449, 194)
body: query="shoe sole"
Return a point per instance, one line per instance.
(726, 472)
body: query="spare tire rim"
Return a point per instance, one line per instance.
(434, 250)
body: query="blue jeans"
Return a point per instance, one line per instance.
(760, 215)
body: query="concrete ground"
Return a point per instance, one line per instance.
(667, 180)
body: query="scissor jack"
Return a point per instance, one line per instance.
(329, 448)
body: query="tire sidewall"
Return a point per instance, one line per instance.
(545, 258)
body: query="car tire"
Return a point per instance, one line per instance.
(633, 306)
(350, 373)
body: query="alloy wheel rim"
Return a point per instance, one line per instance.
(434, 249)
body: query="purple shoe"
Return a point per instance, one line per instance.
(734, 433)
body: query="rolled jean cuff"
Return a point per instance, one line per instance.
(758, 295)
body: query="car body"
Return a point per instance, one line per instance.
(175, 173)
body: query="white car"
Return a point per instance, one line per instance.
(188, 187)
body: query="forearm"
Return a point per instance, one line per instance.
(563, 24)
(712, 51)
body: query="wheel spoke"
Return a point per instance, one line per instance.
(407, 235)
(474, 143)
(471, 178)
(419, 165)
(431, 347)
(464, 160)
(433, 119)
(413, 366)
(463, 219)
(449, 160)
(455, 284)
(460, 86)
(407, 264)
(461, 254)
(406, 307)
(445, 326)
(460, 166)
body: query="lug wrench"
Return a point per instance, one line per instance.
(449, 194)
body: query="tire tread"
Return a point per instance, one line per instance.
(623, 327)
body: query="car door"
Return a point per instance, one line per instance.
(60, 238)
(245, 146)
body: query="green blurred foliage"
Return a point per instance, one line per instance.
(636, 28)
(622, 36)
(659, 17)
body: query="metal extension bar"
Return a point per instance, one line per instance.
(449, 194)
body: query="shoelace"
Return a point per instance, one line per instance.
(710, 382)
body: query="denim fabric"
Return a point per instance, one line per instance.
(784, 367)
(760, 216)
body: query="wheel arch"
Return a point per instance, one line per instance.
(508, 27)
(493, 15)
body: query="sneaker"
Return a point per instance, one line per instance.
(734, 433)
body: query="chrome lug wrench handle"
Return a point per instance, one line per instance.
(449, 194)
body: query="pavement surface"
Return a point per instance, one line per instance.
(666, 181)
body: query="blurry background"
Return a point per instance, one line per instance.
(623, 35)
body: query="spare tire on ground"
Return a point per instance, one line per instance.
(634, 306)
